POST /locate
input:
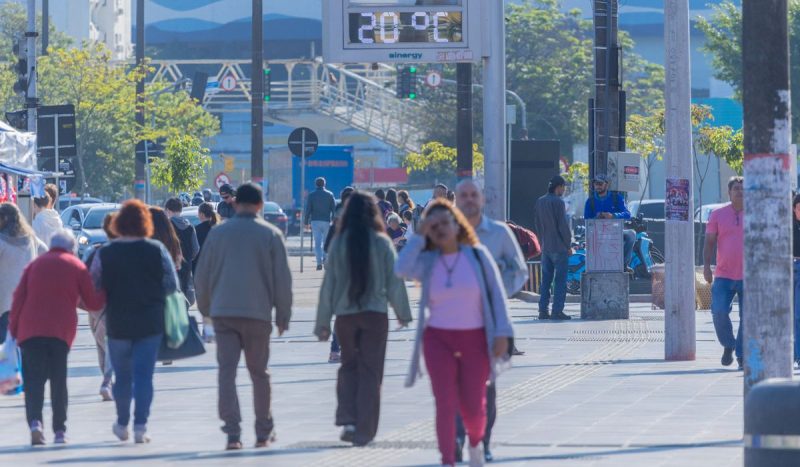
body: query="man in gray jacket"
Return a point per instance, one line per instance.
(320, 207)
(556, 239)
(242, 275)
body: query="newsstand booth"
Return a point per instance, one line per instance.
(19, 177)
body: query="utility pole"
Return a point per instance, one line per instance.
(494, 111)
(464, 126)
(767, 313)
(257, 110)
(608, 85)
(679, 293)
(31, 102)
(139, 183)
(45, 25)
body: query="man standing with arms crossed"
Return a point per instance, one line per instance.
(320, 207)
(725, 232)
(498, 239)
(556, 238)
(242, 275)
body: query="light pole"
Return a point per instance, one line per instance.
(494, 112)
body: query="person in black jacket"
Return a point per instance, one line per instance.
(137, 274)
(208, 219)
(190, 247)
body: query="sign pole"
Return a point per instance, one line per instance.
(302, 197)
(494, 112)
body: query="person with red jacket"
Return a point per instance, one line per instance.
(44, 322)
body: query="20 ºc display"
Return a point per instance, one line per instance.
(395, 27)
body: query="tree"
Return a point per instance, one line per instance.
(437, 162)
(645, 135)
(183, 167)
(723, 33)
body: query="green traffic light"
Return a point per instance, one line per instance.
(267, 98)
(412, 96)
(412, 69)
(267, 71)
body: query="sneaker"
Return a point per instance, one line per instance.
(560, 316)
(61, 438)
(727, 357)
(37, 434)
(335, 357)
(105, 393)
(459, 450)
(319, 267)
(140, 434)
(265, 442)
(120, 431)
(740, 363)
(234, 443)
(476, 456)
(544, 315)
(487, 454)
(348, 433)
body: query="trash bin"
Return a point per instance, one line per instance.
(772, 424)
(534, 276)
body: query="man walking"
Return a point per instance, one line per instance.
(190, 247)
(556, 239)
(225, 208)
(498, 239)
(725, 232)
(320, 207)
(242, 275)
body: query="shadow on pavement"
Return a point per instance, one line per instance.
(702, 371)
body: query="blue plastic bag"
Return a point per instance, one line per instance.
(10, 377)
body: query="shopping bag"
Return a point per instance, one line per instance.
(176, 320)
(10, 377)
(192, 346)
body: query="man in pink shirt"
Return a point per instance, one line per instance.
(725, 232)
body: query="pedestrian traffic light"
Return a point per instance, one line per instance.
(412, 82)
(267, 84)
(20, 67)
(407, 82)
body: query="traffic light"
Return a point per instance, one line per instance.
(18, 119)
(407, 82)
(20, 67)
(267, 84)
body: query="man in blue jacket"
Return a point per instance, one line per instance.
(603, 204)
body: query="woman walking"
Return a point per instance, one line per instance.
(44, 321)
(391, 198)
(358, 287)
(208, 219)
(164, 233)
(466, 325)
(136, 274)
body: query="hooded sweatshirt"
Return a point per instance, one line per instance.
(15, 254)
(45, 225)
(190, 248)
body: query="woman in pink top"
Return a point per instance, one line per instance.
(466, 326)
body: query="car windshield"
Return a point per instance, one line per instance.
(652, 211)
(272, 208)
(94, 220)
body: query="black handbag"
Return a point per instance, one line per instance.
(191, 347)
(510, 351)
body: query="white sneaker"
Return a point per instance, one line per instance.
(476, 456)
(140, 434)
(105, 393)
(120, 431)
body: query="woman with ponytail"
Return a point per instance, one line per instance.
(358, 287)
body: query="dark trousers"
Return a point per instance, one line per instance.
(362, 337)
(491, 417)
(235, 335)
(43, 359)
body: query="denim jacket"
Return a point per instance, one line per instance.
(415, 263)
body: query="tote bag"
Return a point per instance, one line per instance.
(176, 320)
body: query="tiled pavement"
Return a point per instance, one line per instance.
(584, 394)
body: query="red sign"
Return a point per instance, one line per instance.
(221, 179)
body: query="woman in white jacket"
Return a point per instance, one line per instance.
(46, 221)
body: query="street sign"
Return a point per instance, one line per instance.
(222, 179)
(433, 79)
(66, 168)
(228, 83)
(55, 133)
(303, 141)
(229, 163)
(447, 31)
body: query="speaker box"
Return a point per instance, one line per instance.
(533, 164)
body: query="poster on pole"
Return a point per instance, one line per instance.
(676, 204)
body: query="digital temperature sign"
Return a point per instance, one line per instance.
(401, 31)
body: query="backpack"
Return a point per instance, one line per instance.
(527, 240)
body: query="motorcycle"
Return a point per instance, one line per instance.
(644, 257)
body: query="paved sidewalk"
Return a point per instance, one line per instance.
(584, 394)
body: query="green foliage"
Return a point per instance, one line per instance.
(580, 171)
(724, 43)
(437, 162)
(184, 165)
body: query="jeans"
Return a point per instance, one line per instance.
(628, 241)
(251, 336)
(722, 293)
(335, 343)
(553, 265)
(358, 384)
(43, 359)
(797, 309)
(134, 361)
(319, 230)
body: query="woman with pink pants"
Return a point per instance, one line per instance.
(466, 327)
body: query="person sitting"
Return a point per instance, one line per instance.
(603, 204)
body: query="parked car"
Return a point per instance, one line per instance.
(647, 209)
(701, 214)
(275, 216)
(295, 223)
(86, 221)
(190, 213)
(66, 201)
